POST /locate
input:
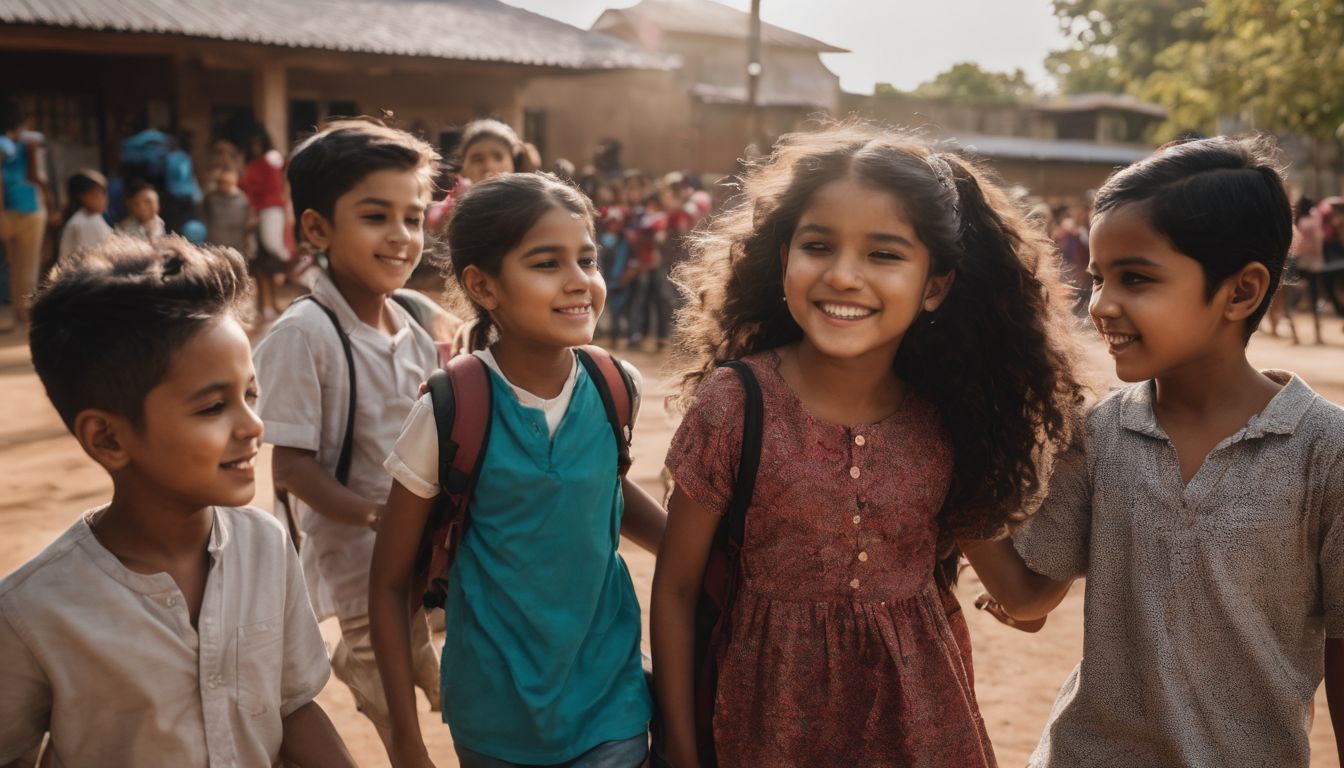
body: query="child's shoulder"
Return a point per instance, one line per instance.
(53, 567)
(720, 395)
(252, 526)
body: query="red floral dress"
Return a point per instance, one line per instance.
(841, 650)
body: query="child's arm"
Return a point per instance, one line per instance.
(298, 471)
(676, 590)
(311, 739)
(644, 519)
(1021, 592)
(1334, 689)
(389, 618)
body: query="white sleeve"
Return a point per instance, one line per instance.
(290, 405)
(637, 380)
(415, 458)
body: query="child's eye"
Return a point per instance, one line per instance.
(414, 222)
(1133, 278)
(814, 247)
(887, 256)
(212, 409)
(374, 217)
(547, 264)
(252, 395)
(1096, 279)
(588, 262)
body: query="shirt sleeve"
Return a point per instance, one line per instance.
(290, 405)
(1331, 558)
(707, 446)
(1054, 542)
(25, 695)
(305, 669)
(636, 383)
(415, 458)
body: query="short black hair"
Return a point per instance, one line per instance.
(136, 186)
(1220, 201)
(331, 162)
(107, 321)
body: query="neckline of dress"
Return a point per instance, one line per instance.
(904, 407)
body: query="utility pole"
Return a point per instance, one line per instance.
(754, 78)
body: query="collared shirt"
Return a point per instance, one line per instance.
(305, 391)
(107, 660)
(1207, 603)
(84, 230)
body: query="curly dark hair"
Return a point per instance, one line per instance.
(999, 360)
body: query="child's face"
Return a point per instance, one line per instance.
(376, 234)
(855, 273)
(486, 157)
(200, 435)
(94, 200)
(227, 182)
(1148, 300)
(548, 291)
(144, 206)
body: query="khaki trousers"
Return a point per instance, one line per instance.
(353, 664)
(21, 234)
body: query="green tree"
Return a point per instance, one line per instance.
(1116, 42)
(967, 82)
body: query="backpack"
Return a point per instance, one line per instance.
(723, 573)
(464, 437)
(418, 313)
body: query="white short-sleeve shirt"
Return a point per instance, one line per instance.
(414, 462)
(106, 658)
(305, 390)
(84, 230)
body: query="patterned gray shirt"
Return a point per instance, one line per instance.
(1208, 604)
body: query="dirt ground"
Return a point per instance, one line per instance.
(45, 481)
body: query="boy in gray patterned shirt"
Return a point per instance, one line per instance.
(1205, 504)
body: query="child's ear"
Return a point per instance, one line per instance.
(936, 290)
(100, 434)
(480, 288)
(1248, 289)
(316, 229)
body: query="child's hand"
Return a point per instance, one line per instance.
(991, 606)
(418, 759)
(376, 516)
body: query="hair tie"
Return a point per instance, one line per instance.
(943, 172)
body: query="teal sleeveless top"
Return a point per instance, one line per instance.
(541, 661)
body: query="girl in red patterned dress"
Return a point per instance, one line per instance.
(912, 345)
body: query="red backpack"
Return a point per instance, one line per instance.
(464, 436)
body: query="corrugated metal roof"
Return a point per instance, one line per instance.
(705, 17)
(467, 30)
(1092, 101)
(1058, 150)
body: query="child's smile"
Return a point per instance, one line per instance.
(1149, 301)
(376, 233)
(856, 275)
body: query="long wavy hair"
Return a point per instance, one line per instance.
(997, 357)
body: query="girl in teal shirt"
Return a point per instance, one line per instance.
(541, 665)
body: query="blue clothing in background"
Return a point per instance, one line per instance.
(20, 193)
(541, 662)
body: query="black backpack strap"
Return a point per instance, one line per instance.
(744, 485)
(348, 441)
(621, 423)
(415, 304)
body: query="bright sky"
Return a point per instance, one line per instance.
(903, 42)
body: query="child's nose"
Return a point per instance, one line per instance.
(249, 425)
(844, 273)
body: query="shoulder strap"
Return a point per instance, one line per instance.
(414, 304)
(617, 391)
(744, 485)
(463, 434)
(347, 442)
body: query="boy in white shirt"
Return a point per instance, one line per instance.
(169, 626)
(360, 190)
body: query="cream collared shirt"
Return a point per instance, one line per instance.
(106, 658)
(305, 392)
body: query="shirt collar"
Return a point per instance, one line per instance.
(1280, 416)
(326, 292)
(144, 583)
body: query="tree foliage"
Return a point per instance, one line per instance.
(967, 82)
(1269, 64)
